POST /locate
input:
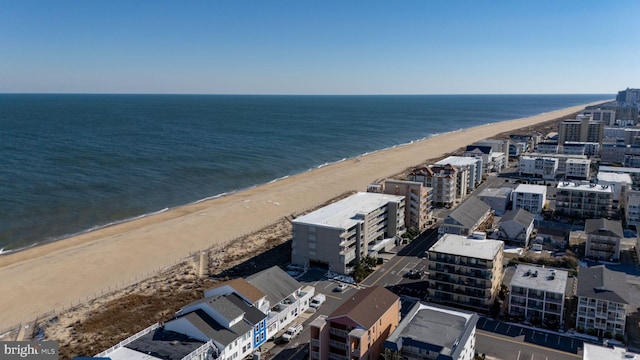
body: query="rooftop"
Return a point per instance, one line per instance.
(628, 170)
(242, 287)
(366, 306)
(595, 352)
(342, 214)
(460, 245)
(503, 192)
(533, 189)
(438, 329)
(469, 212)
(167, 345)
(598, 282)
(521, 216)
(538, 278)
(567, 185)
(458, 161)
(604, 227)
(275, 283)
(615, 177)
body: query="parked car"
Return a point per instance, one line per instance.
(317, 300)
(293, 331)
(341, 287)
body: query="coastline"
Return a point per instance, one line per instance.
(93, 260)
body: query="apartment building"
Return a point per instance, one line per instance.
(633, 172)
(433, 332)
(578, 169)
(537, 294)
(497, 145)
(516, 227)
(582, 129)
(418, 201)
(615, 152)
(632, 209)
(469, 166)
(444, 180)
(470, 216)
(465, 272)
(562, 159)
(584, 200)
(607, 116)
(591, 149)
(358, 328)
(532, 198)
(602, 301)
(548, 147)
(543, 167)
(491, 161)
(603, 239)
(619, 182)
(348, 230)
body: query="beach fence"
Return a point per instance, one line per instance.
(31, 329)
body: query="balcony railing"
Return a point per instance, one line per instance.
(339, 332)
(339, 345)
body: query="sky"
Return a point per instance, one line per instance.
(319, 47)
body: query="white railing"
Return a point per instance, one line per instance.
(129, 340)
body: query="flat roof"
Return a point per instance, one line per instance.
(580, 161)
(529, 188)
(595, 352)
(502, 192)
(614, 177)
(615, 169)
(458, 161)
(463, 246)
(566, 156)
(524, 277)
(342, 214)
(568, 185)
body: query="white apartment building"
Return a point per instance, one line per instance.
(465, 271)
(473, 167)
(537, 294)
(562, 159)
(578, 169)
(634, 173)
(619, 182)
(529, 197)
(348, 230)
(544, 167)
(590, 148)
(584, 200)
(602, 300)
(548, 147)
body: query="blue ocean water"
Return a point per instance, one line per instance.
(71, 163)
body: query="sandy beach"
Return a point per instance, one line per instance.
(57, 274)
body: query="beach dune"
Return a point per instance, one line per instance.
(54, 275)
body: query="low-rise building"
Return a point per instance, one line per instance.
(465, 272)
(634, 173)
(632, 209)
(418, 199)
(492, 162)
(472, 165)
(584, 200)
(537, 294)
(532, 198)
(358, 328)
(578, 169)
(497, 145)
(619, 182)
(596, 352)
(590, 148)
(603, 239)
(443, 179)
(468, 217)
(497, 198)
(602, 301)
(573, 148)
(562, 160)
(548, 147)
(347, 231)
(516, 227)
(433, 332)
(544, 167)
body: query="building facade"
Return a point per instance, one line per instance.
(537, 295)
(578, 169)
(582, 129)
(516, 227)
(358, 328)
(543, 167)
(632, 209)
(465, 272)
(532, 198)
(443, 179)
(470, 166)
(584, 201)
(497, 198)
(418, 201)
(603, 239)
(470, 216)
(347, 231)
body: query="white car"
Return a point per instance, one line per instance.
(341, 287)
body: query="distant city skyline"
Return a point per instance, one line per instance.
(329, 47)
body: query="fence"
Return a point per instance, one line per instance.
(47, 316)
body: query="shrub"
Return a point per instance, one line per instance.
(619, 337)
(608, 335)
(591, 331)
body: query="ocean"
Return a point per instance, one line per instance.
(76, 163)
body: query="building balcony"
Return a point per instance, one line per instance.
(339, 332)
(315, 355)
(337, 357)
(315, 342)
(338, 344)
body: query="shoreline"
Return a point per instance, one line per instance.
(90, 262)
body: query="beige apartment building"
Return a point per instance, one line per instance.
(358, 328)
(341, 234)
(444, 180)
(582, 129)
(465, 272)
(418, 201)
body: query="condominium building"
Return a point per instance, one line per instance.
(603, 239)
(544, 167)
(632, 209)
(607, 116)
(472, 215)
(444, 181)
(578, 169)
(562, 159)
(619, 182)
(634, 173)
(532, 198)
(348, 230)
(536, 294)
(548, 147)
(584, 200)
(431, 331)
(358, 328)
(418, 201)
(465, 272)
(615, 152)
(602, 301)
(497, 145)
(582, 129)
(491, 161)
(590, 148)
(469, 166)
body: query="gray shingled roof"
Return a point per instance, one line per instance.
(274, 282)
(221, 305)
(164, 344)
(469, 212)
(213, 330)
(251, 313)
(598, 282)
(604, 227)
(483, 149)
(519, 215)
